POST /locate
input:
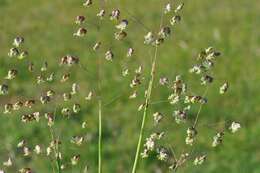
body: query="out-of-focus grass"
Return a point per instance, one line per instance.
(231, 26)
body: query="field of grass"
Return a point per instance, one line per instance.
(47, 25)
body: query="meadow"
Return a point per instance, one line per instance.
(232, 27)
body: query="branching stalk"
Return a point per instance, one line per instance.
(147, 101)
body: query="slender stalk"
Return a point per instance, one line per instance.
(200, 108)
(102, 4)
(100, 136)
(58, 164)
(56, 147)
(56, 152)
(147, 101)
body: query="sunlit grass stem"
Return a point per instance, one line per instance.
(147, 101)
(100, 136)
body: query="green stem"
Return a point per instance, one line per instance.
(56, 151)
(99, 136)
(58, 164)
(147, 101)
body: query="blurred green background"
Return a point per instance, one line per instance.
(230, 26)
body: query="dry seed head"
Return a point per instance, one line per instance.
(149, 144)
(180, 116)
(71, 60)
(199, 160)
(87, 3)
(75, 159)
(13, 52)
(165, 32)
(122, 25)
(179, 8)
(157, 117)
(48, 151)
(40, 79)
(115, 14)
(18, 41)
(62, 167)
(31, 117)
(125, 72)
(50, 118)
(179, 87)
(234, 127)
(149, 38)
(25, 170)
(130, 52)
(158, 41)
(45, 99)
(109, 55)
(17, 105)
(174, 99)
(4, 89)
(133, 95)
(197, 69)
(8, 108)
(90, 95)
(66, 111)
(206, 80)
(54, 143)
(162, 154)
(209, 50)
(207, 65)
(167, 8)
(135, 82)
(78, 140)
(191, 134)
(65, 77)
(96, 46)
(66, 96)
(81, 32)
(23, 55)
(84, 125)
(74, 88)
(80, 20)
(29, 103)
(145, 153)
(21, 144)
(139, 70)
(175, 19)
(101, 14)
(164, 81)
(44, 66)
(8, 163)
(37, 149)
(141, 107)
(120, 35)
(223, 89)
(50, 78)
(26, 151)
(183, 158)
(76, 108)
(217, 139)
(50, 93)
(195, 99)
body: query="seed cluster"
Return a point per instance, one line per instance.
(180, 97)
